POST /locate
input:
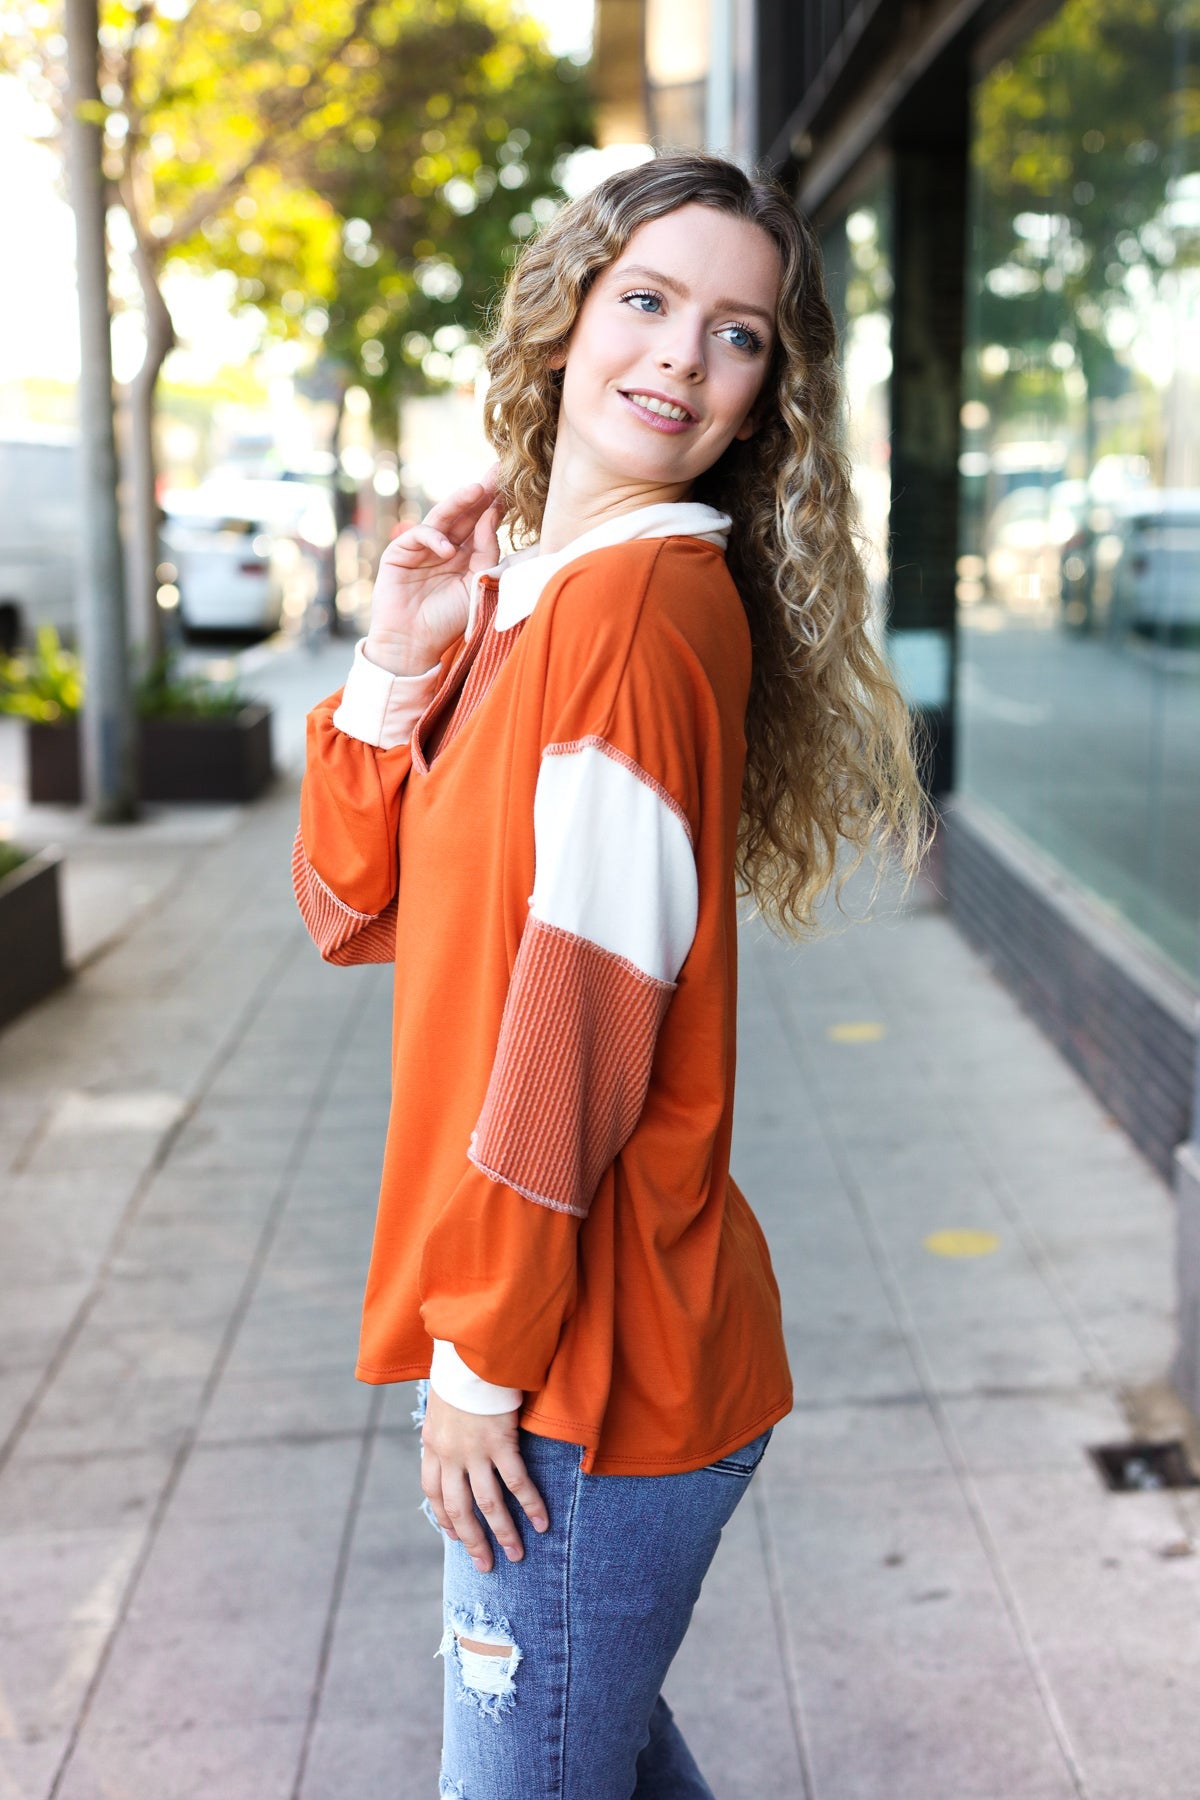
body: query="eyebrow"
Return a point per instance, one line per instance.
(677, 287)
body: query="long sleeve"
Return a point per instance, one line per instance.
(610, 922)
(344, 859)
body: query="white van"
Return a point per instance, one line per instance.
(1156, 577)
(39, 530)
(243, 552)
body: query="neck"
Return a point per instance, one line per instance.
(575, 503)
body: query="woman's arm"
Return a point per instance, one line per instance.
(344, 860)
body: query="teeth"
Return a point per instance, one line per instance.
(660, 406)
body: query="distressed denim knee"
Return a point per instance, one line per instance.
(481, 1649)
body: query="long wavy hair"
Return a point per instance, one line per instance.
(831, 756)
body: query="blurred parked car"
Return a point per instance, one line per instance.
(240, 553)
(1022, 543)
(1156, 572)
(1115, 487)
(39, 532)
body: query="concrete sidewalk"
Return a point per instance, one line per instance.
(214, 1577)
(112, 875)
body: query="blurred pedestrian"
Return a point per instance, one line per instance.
(547, 778)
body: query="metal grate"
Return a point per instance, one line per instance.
(1142, 1467)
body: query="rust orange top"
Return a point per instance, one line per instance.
(550, 862)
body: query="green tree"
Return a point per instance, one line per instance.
(1083, 139)
(249, 135)
(470, 120)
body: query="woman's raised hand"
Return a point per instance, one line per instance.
(423, 587)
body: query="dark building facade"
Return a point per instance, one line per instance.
(1008, 192)
(1010, 199)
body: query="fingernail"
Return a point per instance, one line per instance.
(514, 1555)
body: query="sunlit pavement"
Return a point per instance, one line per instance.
(214, 1577)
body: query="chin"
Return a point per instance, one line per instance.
(636, 465)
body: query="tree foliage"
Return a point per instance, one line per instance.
(466, 120)
(1084, 140)
(362, 166)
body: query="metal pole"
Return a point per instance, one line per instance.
(109, 774)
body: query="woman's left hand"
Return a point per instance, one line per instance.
(463, 1453)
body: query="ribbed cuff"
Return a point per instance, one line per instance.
(452, 1381)
(380, 708)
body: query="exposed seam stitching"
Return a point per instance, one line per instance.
(566, 1703)
(595, 742)
(328, 891)
(559, 1206)
(577, 937)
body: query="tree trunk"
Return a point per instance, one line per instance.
(336, 628)
(109, 767)
(145, 613)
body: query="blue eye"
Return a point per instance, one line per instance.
(746, 339)
(750, 340)
(643, 294)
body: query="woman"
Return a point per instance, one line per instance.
(545, 782)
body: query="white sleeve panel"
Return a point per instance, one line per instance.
(452, 1381)
(380, 708)
(613, 858)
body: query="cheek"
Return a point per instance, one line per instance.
(739, 393)
(613, 344)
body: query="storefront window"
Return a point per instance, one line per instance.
(857, 247)
(1079, 572)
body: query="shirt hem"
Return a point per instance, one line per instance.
(417, 1371)
(595, 1463)
(573, 1431)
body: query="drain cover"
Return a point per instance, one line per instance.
(1136, 1468)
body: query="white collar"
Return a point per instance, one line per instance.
(524, 573)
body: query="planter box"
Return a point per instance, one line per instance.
(31, 960)
(52, 760)
(181, 759)
(207, 759)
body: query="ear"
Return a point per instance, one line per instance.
(748, 426)
(557, 359)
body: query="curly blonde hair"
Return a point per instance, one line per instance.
(831, 754)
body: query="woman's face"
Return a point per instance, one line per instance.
(669, 351)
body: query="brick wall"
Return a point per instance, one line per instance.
(1123, 1019)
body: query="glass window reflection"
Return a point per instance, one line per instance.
(857, 249)
(1079, 572)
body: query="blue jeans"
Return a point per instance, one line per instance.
(587, 1624)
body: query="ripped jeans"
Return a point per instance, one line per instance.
(562, 1698)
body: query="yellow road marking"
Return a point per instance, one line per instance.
(962, 1241)
(857, 1031)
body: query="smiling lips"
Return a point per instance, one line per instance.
(664, 414)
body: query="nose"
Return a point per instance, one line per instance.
(683, 355)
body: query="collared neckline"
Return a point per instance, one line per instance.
(523, 574)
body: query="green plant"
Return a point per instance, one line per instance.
(45, 685)
(167, 693)
(10, 858)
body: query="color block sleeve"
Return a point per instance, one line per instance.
(344, 857)
(610, 922)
